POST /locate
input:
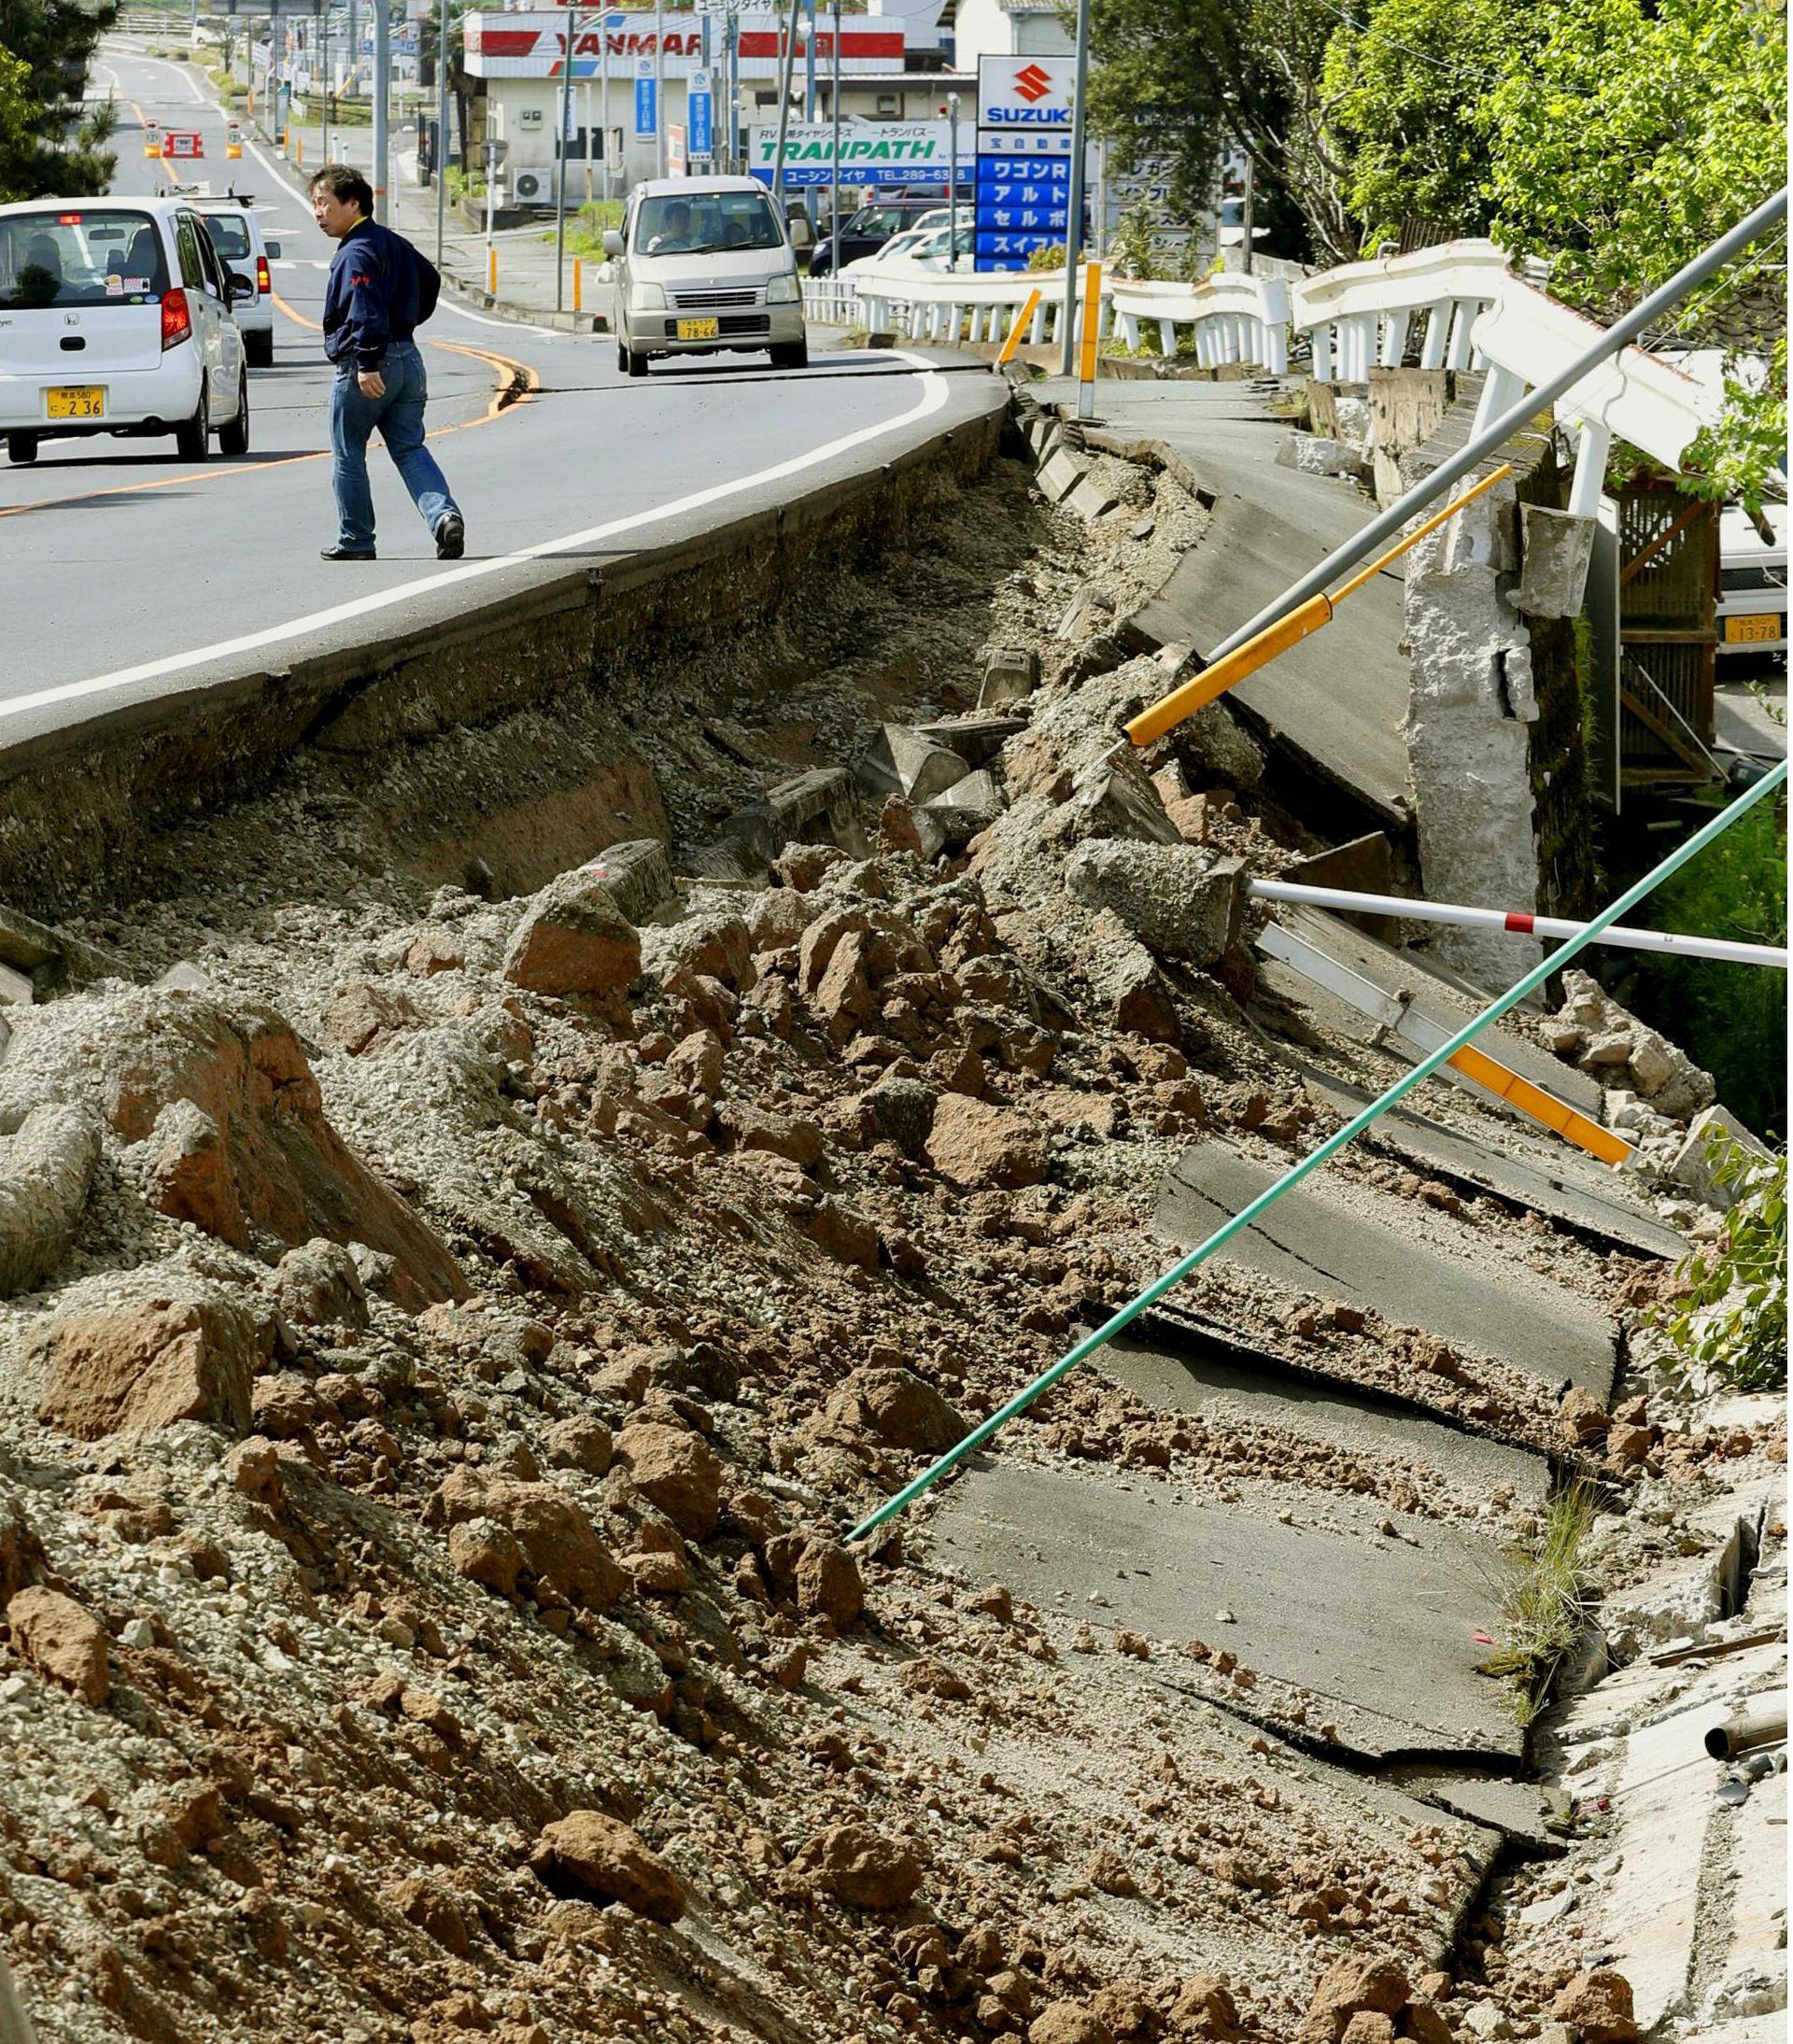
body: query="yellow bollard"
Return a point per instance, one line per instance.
(578, 285)
(1092, 320)
(491, 271)
(1020, 327)
(298, 148)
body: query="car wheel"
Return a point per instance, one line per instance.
(22, 448)
(796, 355)
(637, 362)
(260, 349)
(622, 358)
(233, 436)
(194, 440)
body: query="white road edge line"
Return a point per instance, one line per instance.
(933, 397)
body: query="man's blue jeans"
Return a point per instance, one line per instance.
(399, 416)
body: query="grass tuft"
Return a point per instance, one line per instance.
(1544, 1604)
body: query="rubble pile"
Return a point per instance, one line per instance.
(446, 1341)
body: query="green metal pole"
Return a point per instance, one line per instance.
(1329, 1149)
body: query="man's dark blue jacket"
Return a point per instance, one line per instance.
(380, 290)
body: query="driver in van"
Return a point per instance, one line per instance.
(676, 235)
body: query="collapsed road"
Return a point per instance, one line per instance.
(491, 1206)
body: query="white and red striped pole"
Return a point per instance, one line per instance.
(1343, 900)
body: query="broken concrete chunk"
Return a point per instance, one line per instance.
(173, 1350)
(1177, 900)
(1059, 475)
(1010, 675)
(977, 736)
(636, 875)
(1091, 499)
(573, 939)
(1710, 1137)
(1088, 610)
(46, 1169)
(1316, 453)
(902, 762)
(964, 810)
(1558, 550)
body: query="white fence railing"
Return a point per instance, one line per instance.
(1477, 314)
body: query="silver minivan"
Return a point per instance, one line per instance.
(703, 265)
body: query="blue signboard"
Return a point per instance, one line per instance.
(1022, 196)
(699, 103)
(647, 100)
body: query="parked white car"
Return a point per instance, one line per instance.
(115, 317)
(704, 264)
(1752, 582)
(921, 248)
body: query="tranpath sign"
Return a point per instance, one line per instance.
(872, 152)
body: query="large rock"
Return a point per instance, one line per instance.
(1597, 2006)
(977, 1144)
(46, 1168)
(1712, 1138)
(573, 939)
(555, 1537)
(1068, 2022)
(62, 1639)
(828, 1584)
(676, 1471)
(901, 1409)
(168, 1351)
(589, 1854)
(861, 1866)
(1358, 1983)
(133, 1054)
(636, 874)
(1179, 900)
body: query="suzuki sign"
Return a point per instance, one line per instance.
(1027, 93)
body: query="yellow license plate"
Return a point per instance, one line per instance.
(699, 330)
(1743, 631)
(77, 401)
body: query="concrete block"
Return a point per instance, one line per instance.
(1316, 453)
(1059, 475)
(902, 762)
(1010, 675)
(636, 875)
(977, 738)
(1091, 499)
(1354, 425)
(15, 988)
(1557, 550)
(966, 809)
(1177, 900)
(1088, 610)
(816, 808)
(184, 976)
(1693, 1163)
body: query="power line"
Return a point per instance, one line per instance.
(1407, 49)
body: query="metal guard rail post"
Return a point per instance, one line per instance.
(1529, 984)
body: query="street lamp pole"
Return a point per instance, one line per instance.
(834, 194)
(440, 165)
(560, 183)
(952, 181)
(1074, 212)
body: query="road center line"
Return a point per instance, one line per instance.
(933, 395)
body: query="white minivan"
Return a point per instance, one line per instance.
(115, 317)
(702, 264)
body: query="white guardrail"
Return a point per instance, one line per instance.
(1477, 314)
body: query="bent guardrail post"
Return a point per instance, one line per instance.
(1491, 435)
(1336, 1142)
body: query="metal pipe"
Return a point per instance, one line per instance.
(1074, 208)
(1348, 901)
(1746, 1730)
(1528, 984)
(1498, 431)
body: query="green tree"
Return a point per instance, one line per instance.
(56, 145)
(1179, 81)
(18, 115)
(1135, 250)
(1407, 93)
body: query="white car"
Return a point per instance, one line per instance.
(921, 248)
(1752, 582)
(243, 250)
(115, 317)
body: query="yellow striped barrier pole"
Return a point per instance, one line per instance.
(491, 270)
(578, 286)
(1022, 319)
(1092, 322)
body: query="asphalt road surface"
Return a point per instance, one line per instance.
(148, 573)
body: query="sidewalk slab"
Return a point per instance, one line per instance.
(1372, 1249)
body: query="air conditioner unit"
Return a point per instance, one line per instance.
(532, 187)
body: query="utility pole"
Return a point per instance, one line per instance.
(324, 56)
(382, 87)
(1074, 212)
(1247, 210)
(561, 182)
(603, 98)
(659, 85)
(786, 70)
(440, 162)
(833, 173)
(952, 181)
(733, 38)
(809, 69)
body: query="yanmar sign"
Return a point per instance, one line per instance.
(532, 46)
(1026, 93)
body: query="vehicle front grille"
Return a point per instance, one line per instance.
(711, 301)
(730, 323)
(1735, 579)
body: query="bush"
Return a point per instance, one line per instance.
(1729, 1324)
(1050, 256)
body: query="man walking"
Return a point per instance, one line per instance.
(380, 290)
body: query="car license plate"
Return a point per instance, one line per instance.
(1765, 626)
(77, 401)
(699, 330)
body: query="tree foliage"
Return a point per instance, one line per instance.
(1727, 1323)
(50, 143)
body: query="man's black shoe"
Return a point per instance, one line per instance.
(451, 537)
(345, 553)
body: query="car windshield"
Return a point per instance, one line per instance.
(79, 256)
(704, 223)
(229, 234)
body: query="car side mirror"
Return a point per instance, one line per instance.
(274, 251)
(612, 242)
(241, 287)
(802, 233)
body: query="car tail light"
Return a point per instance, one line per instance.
(177, 321)
(263, 282)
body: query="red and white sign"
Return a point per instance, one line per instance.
(184, 143)
(1030, 94)
(534, 45)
